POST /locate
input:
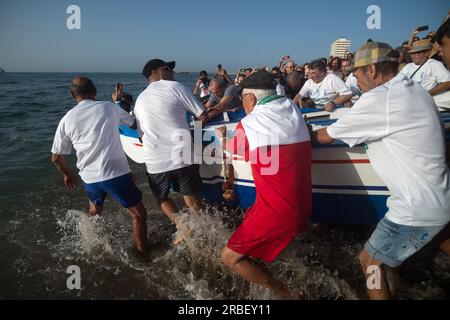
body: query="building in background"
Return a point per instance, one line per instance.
(340, 47)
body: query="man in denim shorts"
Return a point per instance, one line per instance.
(92, 128)
(400, 124)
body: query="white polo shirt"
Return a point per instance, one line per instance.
(325, 91)
(404, 134)
(92, 127)
(160, 112)
(429, 76)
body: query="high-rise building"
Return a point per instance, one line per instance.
(340, 47)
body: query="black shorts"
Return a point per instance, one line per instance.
(185, 181)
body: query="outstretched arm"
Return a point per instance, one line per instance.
(411, 39)
(70, 180)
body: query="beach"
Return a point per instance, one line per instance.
(44, 229)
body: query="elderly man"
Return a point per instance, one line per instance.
(400, 125)
(92, 128)
(429, 73)
(224, 97)
(161, 116)
(273, 132)
(324, 89)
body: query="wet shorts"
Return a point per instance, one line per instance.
(186, 181)
(261, 236)
(122, 189)
(393, 243)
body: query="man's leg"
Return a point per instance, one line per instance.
(377, 287)
(189, 182)
(193, 202)
(94, 209)
(445, 246)
(250, 271)
(442, 239)
(169, 209)
(139, 217)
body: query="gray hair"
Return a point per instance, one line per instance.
(219, 81)
(260, 93)
(288, 61)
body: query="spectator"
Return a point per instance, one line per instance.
(307, 74)
(431, 74)
(276, 73)
(202, 86)
(222, 73)
(325, 90)
(335, 67)
(294, 82)
(224, 97)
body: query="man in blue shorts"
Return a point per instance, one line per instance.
(92, 128)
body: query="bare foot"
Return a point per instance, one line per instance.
(181, 235)
(229, 195)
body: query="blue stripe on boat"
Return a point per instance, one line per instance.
(327, 208)
(128, 132)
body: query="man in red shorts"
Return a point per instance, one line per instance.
(275, 139)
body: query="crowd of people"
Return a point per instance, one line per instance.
(330, 82)
(391, 111)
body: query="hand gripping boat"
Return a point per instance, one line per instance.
(346, 189)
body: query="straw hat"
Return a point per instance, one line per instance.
(421, 45)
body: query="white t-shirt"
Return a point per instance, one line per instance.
(404, 134)
(161, 116)
(352, 85)
(92, 127)
(430, 75)
(325, 91)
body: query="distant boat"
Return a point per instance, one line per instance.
(2, 71)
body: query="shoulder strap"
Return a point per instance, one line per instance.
(410, 78)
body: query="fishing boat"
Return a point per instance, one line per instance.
(346, 188)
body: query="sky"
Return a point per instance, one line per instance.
(121, 36)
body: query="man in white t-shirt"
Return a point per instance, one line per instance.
(92, 128)
(429, 73)
(161, 117)
(399, 123)
(324, 89)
